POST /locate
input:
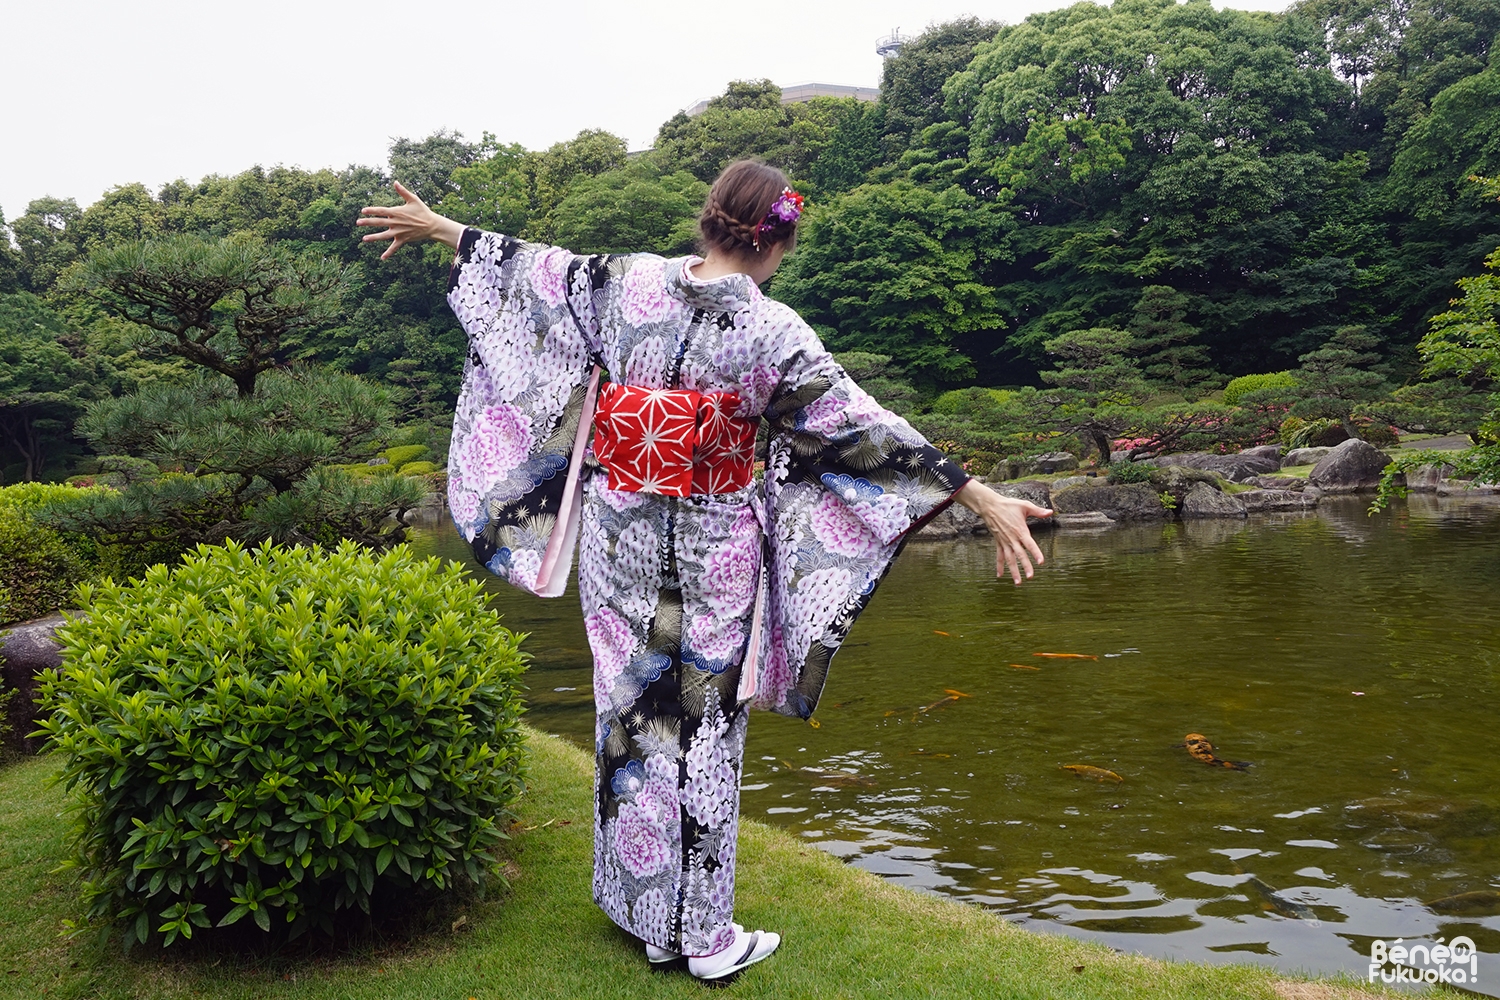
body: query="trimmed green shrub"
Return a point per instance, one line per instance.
(403, 453)
(965, 402)
(416, 469)
(1130, 472)
(1239, 387)
(38, 568)
(279, 734)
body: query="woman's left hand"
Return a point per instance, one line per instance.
(410, 222)
(1015, 549)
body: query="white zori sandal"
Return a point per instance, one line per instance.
(747, 948)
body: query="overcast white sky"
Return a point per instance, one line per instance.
(105, 93)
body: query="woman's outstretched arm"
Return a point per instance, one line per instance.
(1015, 549)
(410, 222)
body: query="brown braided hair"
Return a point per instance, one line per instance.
(738, 203)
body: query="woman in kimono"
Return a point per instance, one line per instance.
(704, 590)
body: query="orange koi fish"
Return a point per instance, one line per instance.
(1023, 666)
(1090, 771)
(1200, 749)
(1066, 656)
(938, 631)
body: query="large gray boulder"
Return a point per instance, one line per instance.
(1235, 468)
(1204, 500)
(1126, 502)
(1352, 467)
(1269, 501)
(25, 651)
(1178, 480)
(1427, 478)
(1269, 452)
(1304, 456)
(1056, 461)
(1026, 489)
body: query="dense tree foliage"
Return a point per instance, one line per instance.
(1223, 192)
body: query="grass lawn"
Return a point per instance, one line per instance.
(846, 933)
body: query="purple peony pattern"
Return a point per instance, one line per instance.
(671, 587)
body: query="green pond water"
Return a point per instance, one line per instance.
(1354, 662)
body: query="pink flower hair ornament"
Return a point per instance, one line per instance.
(786, 208)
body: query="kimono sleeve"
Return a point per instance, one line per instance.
(525, 403)
(846, 482)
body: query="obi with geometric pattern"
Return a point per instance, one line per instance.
(673, 442)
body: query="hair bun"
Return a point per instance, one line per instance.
(737, 205)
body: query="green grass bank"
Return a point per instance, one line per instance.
(846, 933)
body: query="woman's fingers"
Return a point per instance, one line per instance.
(406, 195)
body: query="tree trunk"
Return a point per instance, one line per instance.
(1100, 441)
(28, 443)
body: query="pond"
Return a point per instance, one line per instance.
(1353, 662)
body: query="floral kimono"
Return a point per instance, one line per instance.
(696, 606)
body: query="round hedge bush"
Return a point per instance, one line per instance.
(1245, 384)
(278, 734)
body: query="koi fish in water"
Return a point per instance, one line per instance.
(1201, 750)
(1066, 656)
(1483, 900)
(1279, 903)
(1023, 666)
(1090, 771)
(833, 779)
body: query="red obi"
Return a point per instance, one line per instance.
(673, 442)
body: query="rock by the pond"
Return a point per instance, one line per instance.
(1204, 500)
(1269, 501)
(1178, 480)
(1124, 502)
(25, 651)
(1278, 483)
(954, 521)
(1269, 452)
(958, 521)
(1466, 488)
(1352, 467)
(1066, 481)
(1026, 489)
(1235, 468)
(1088, 519)
(1055, 461)
(1427, 478)
(1304, 456)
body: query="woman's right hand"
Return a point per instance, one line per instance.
(410, 222)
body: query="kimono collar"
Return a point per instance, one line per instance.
(729, 293)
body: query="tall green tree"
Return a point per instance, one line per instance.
(1336, 378)
(44, 386)
(891, 269)
(1166, 342)
(631, 209)
(911, 84)
(234, 305)
(1095, 386)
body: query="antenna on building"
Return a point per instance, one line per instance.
(890, 46)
